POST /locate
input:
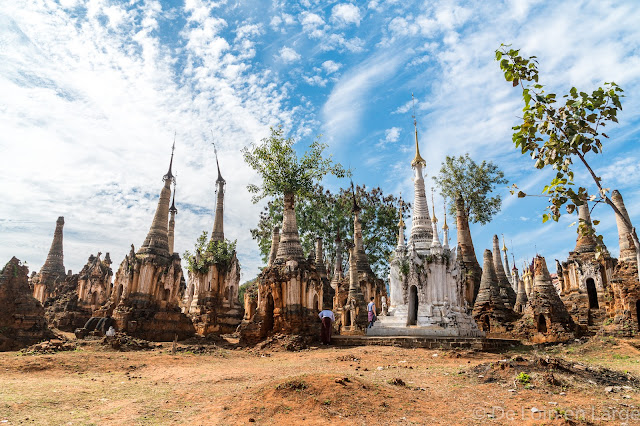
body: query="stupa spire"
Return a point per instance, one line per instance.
(507, 270)
(275, 241)
(417, 159)
(445, 228)
(218, 222)
(173, 211)
(169, 175)
(401, 244)
(54, 264)
(434, 223)
(627, 249)
(157, 240)
(320, 266)
(362, 261)
(421, 231)
(586, 241)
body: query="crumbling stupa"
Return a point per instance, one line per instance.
(546, 318)
(144, 302)
(22, 321)
(355, 290)
(52, 274)
(211, 298)
(624, 291)
(80, 295)
(490, 311)
(585, 276)
(289, 290)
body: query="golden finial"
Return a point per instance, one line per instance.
(401, 223)
(504, 247)
(418, 160)
(445, 227)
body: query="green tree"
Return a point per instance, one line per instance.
(207, 253)
(474, 183)
(555, 133)
(249, 287)
(323, 214)
(282, 172)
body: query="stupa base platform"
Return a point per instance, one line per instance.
(475, 343)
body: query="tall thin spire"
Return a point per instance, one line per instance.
(173, 208)
(356, 207)
(157, 240)
(172, 219)
(507, 292)
(169, 175)
(218, 222)
(435, 243)
(215, 151)
(445, 228)
(507, 270)
(362, 261)
(401, 244)
(417, 159)
(320, 266)
(421, 229)
(337, 268)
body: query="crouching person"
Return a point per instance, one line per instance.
(327, 318)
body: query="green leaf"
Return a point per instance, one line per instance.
(545, 217)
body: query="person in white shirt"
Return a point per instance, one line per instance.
(327, 318)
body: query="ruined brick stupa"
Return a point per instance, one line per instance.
(585, 276)
(22, 321)
(546, 318)
(354, 291)
(427, 289)
(211, 298)
(52, 274)
(290, 289)
(144, 301)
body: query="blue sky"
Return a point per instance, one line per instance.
(92, 93)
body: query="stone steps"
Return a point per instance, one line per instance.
(483, 344)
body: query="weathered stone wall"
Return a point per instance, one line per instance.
(94, 282)
(145, 298)
(585, 284)
(22, 321)
(211, 299)
(289, 298)
(623, 307)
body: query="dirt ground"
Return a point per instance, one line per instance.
(587, 382)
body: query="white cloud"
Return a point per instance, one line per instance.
(315, 80)
(392, 134)
(340, 43)
(331, 66)
(348, 99)
(345, 14)
(94, 102)
(289, 55)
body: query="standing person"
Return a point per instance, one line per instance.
(327, 317)
(371, 313)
